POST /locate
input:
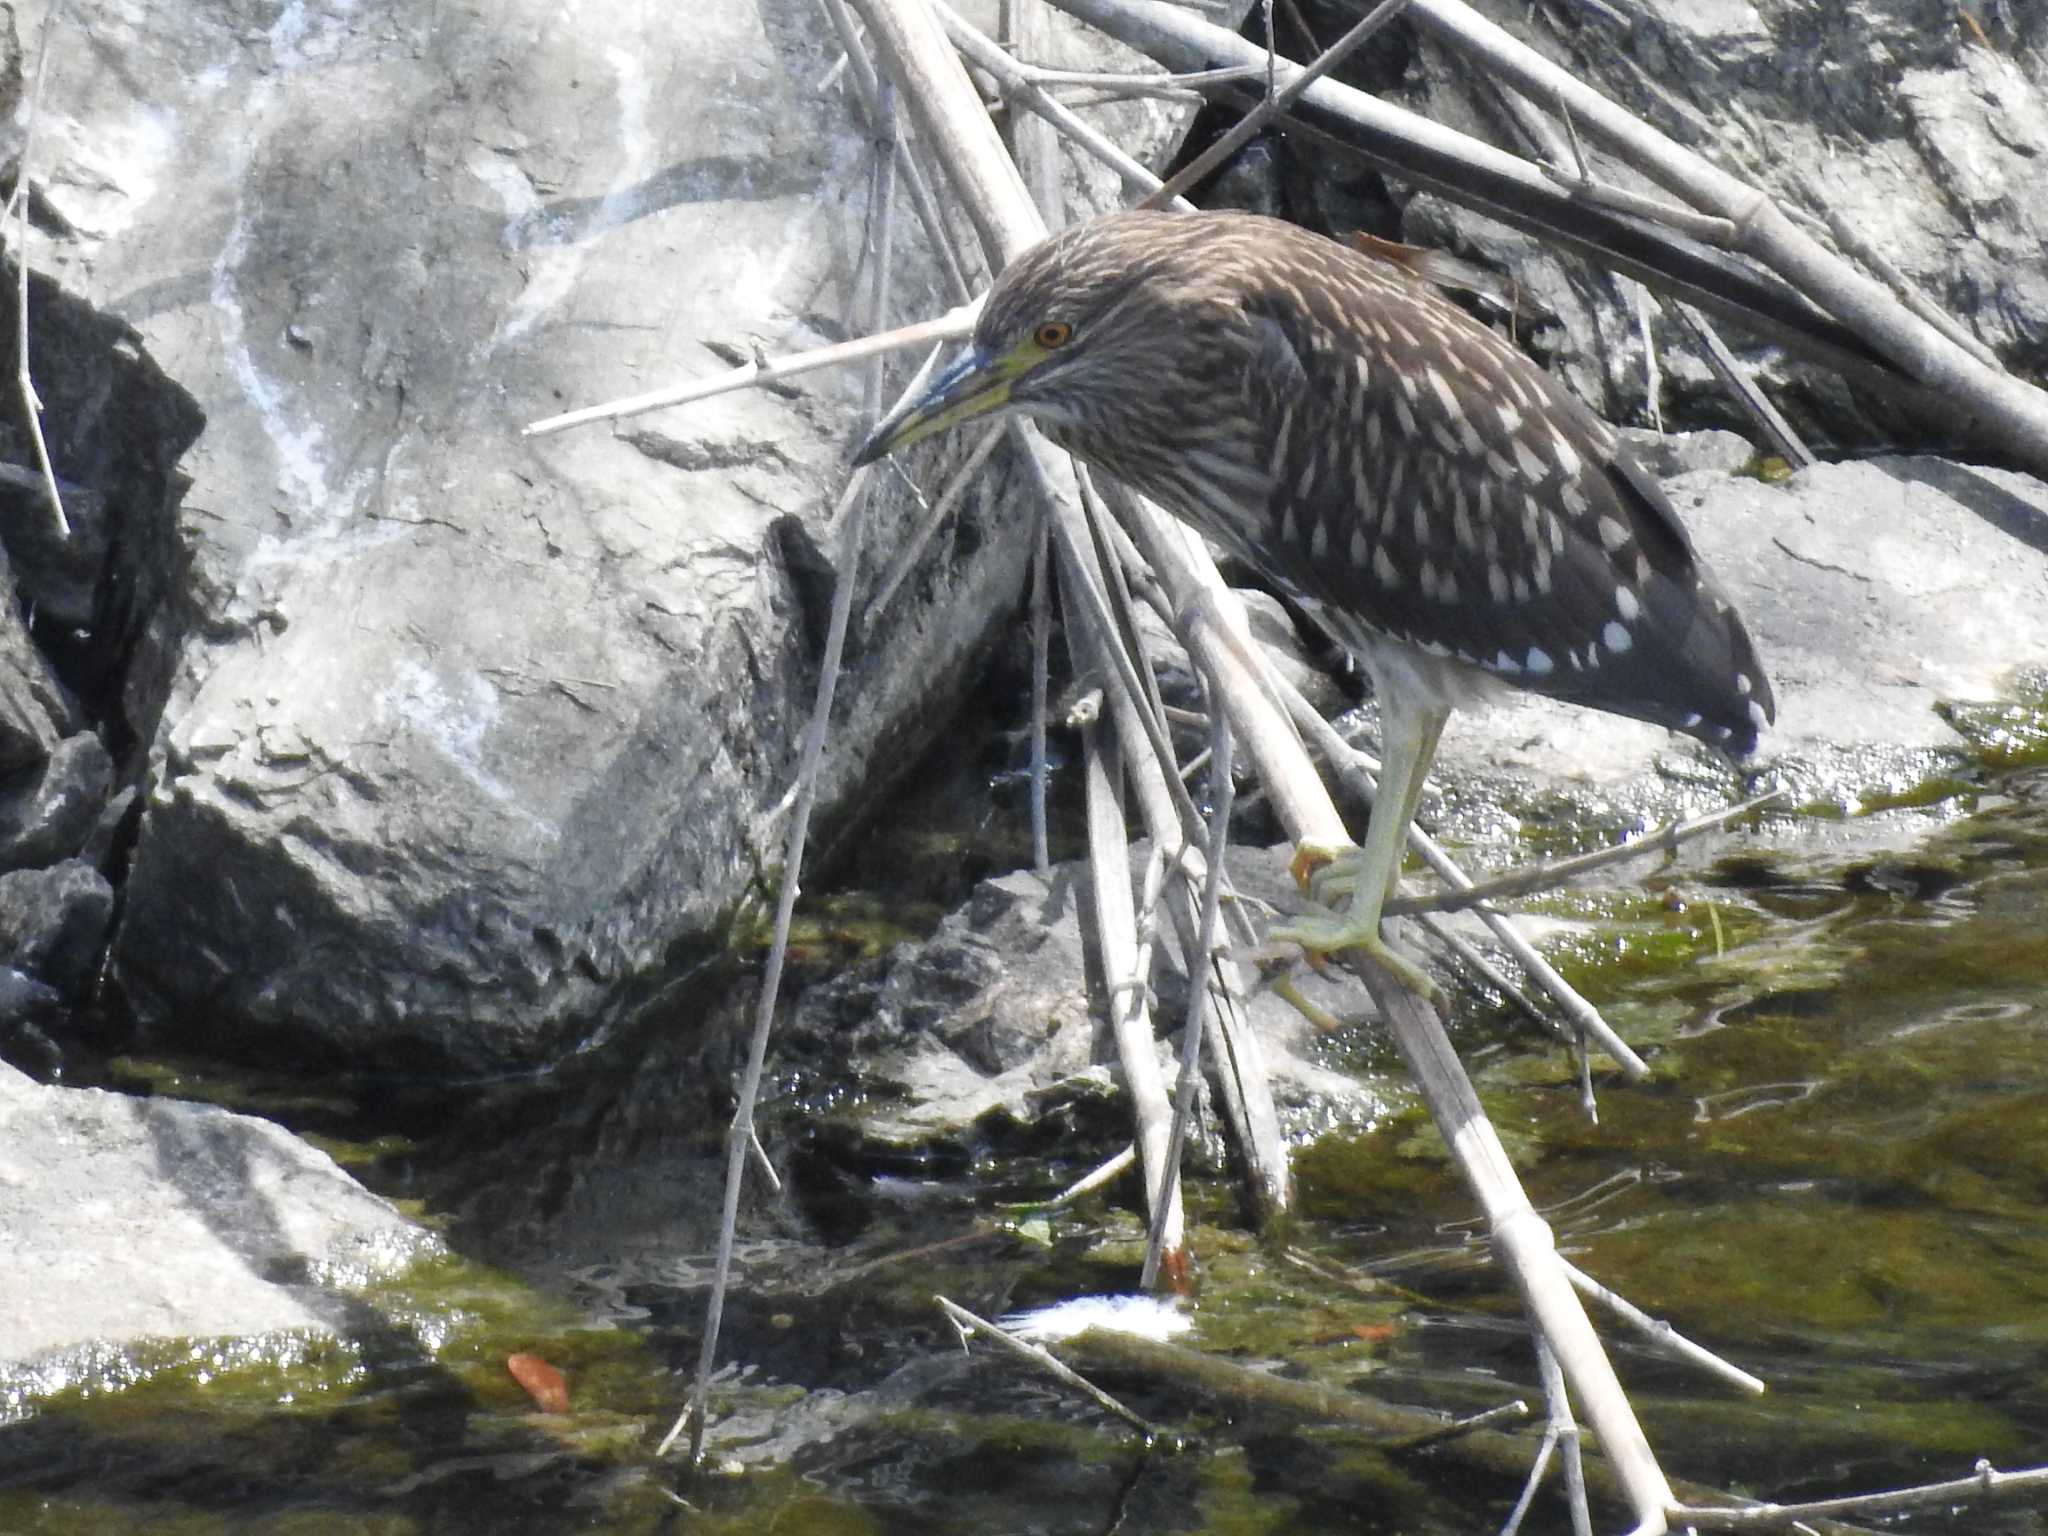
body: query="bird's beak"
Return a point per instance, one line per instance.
(976, 384)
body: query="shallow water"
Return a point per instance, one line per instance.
(1835, 1178)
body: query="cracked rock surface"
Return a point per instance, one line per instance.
(466, 732)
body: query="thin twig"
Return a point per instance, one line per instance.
(1459, 1428)
(1563, 1431)
(947, 327)
(961, 481)
(1491, 975)
(1088, 1183)
(1653, 383)
(1198, 966)
(1041, 648)
(1042, 1359)
(1854, 242)
(1019, 87)
(1728, 368)
(1538, 1465)
(852, 509)
(1701, 226)
(867, 85)
(31, 402)
(1530, 878)
(852, 517)
(762, 1165)
(1985, 1482)
(1276, 102)
(1660, 1333)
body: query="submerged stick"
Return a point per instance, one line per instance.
(1530, 878)
(1660, 1333)
(1043, 1359)
(1984, 1483)
(1522, 1240)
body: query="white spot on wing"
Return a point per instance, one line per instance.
(1615, 638)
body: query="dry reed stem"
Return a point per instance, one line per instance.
(31, 402)
(1041, 1359)
(2008, 412)
(1662, 1334)
(1985, 1484)
(950, 326)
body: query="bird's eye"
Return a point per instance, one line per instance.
(1053, 333)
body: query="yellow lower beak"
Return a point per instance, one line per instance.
(976, 385)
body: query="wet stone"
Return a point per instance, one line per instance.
(49, 813)
(54, 921)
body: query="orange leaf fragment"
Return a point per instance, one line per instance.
(543, 1383)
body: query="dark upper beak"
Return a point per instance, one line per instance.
(976, 384)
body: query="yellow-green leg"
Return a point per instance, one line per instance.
(1409, 731)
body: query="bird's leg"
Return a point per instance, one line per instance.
(1409, 733)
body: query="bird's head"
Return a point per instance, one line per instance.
(1079, 331)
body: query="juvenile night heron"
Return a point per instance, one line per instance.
(1454, 517)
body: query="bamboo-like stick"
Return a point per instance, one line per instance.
(948, 113)
(2011, 414)
(1199, 990)
(1518, 192)
(1019, 87)
(1522, 1241)
(1126, 973)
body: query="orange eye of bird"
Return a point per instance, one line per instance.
(1053, 333)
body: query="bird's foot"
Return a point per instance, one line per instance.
(1332, 933)
(1325, 870)
(1330, 874)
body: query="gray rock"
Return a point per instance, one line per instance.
(468, 731)
(53, 922)
(50, 812)
(98, 588)
(991, 1016)
(36, 711)
(126, 1219)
